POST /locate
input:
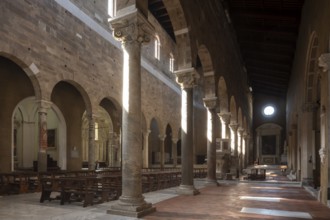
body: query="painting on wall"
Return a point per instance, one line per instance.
(51, 138)
(268, 145)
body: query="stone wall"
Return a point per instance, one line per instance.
(52, 44)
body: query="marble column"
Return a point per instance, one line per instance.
(211, 104)
(162, 150)
(233, 143)
(132, 29)
(146, 149)
(175, 151)
(187, 79)
(44, 106)
(324, 62)
(246, 149)
(91, 142)
(295, 150)
(240, 132)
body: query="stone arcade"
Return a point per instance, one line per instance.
(165, 86)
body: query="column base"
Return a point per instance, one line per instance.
(187, 190)
(211, 182)
(132, 207)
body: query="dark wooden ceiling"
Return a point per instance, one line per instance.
(267, 32)
(158, 10)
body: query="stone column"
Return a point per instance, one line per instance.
(307, 143)
(91, 142)
(245, 148)
(132, 29)
(225, 119)
(211, 104)
(162, 150)
(233, 143)
(324, 62)
(187, 79)
(146, 149)
(240, 132)
(44, 106)
(294, 147)
(175, 151)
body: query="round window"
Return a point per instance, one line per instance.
(269, 110)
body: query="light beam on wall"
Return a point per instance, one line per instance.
(126, 81)
(184, 111)
(209, 126)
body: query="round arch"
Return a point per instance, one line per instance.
(208, 72)
(233, 110)
(223, 95)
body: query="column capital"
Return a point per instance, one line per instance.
(187, 78)
(324, 62)
(131, 27)
(233, 126)
(44, 105)
(210, 102)
(224, 117)
(91, 116)
(240, 131)
(162, 137)
(147, 132)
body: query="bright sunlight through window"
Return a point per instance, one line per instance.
(269, 110)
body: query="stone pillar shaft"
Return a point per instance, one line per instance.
(233, 138)
(42, 154)
(175, 151)
(234, 153)
(146, 149)
(225, 119)
(324, 62)
(132, 29)
(187, 156)
(211, 104)
(162, 151)
(91, 143)
(186, 78)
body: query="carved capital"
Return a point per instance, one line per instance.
(44, 105)
(132, 27)
(187, 78)
(324, 62)
(323, 154)
(210, 102)
(240, 131)
(246, 135)
(233, 127)
(224, 117)
(162, 137)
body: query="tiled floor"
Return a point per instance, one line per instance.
(244, 201)
(231, 200)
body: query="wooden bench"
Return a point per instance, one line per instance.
(257, 174)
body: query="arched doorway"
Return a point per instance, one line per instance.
(15, 86)
(168, 146)
(154, 143)
(26, 136)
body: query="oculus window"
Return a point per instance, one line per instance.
(268, 111)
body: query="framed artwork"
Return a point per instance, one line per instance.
(51, 138)
(268, 145)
